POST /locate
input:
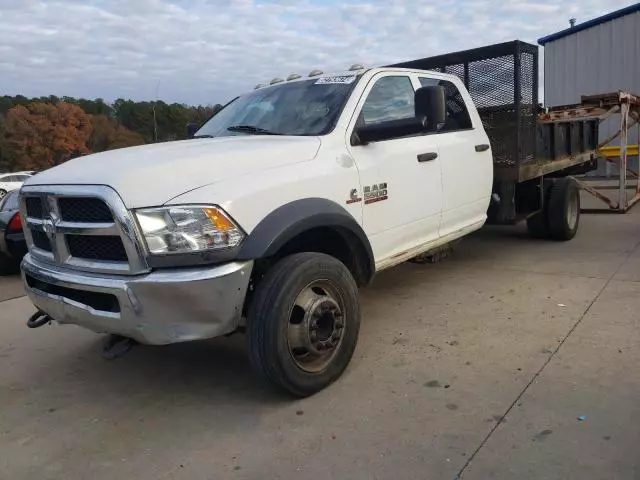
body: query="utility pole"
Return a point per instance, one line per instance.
(155, 121)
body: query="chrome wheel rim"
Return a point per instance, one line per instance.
(316, 326)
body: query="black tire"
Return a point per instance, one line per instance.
(538, 225)
(3, 193)
(274, 305)
(564, 209)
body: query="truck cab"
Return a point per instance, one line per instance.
(267, 221)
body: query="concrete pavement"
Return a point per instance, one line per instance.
(477, 367)
(10, 287)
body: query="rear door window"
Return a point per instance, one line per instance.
(457, 113)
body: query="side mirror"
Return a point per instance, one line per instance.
(192, 128)
(431, 107)
(387, 130)
(430, 113)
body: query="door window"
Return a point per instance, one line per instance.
(457, 113)
(391, 98)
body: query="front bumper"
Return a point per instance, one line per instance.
(157, 308)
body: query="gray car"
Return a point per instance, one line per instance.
(12, 244)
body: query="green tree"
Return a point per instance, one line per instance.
(108, 134)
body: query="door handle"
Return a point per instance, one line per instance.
(482, 148)
(427, 157)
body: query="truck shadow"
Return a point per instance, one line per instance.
(201, 372)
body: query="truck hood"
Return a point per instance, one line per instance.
(154, 174)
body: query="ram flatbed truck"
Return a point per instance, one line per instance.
(290, 198)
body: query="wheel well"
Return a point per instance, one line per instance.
(336, 241)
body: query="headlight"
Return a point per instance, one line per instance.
(187, 229)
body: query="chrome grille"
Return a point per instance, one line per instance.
(34, 207)
(81, 227)
(97, 248)
(41, 240)
(83, 209)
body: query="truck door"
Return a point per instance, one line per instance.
(400, 179)
(466, 161)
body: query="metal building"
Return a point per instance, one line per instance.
(598, 56)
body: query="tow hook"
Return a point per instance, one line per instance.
(38, 319)
(115, 346)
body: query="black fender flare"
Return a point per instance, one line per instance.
(294, 218)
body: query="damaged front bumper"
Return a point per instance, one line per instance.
(161, 307)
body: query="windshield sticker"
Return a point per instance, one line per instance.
(346, 79)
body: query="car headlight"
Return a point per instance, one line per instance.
(188, 229)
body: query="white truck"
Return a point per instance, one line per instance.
(285, 202)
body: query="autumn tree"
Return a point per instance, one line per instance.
(120, 124)
(40, 135)
(108, 134)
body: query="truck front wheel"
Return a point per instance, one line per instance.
(303, 323)
(564, 209)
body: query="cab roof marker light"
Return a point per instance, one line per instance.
(293, 76)
(315, 73)
(276, 80)
(356, 66)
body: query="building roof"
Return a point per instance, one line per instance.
(591, 23)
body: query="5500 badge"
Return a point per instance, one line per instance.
(372, 194)
(375, 193)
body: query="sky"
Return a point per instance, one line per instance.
(208, 51)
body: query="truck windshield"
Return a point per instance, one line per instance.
(309, 107)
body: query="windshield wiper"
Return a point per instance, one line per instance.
(203, 136)
(250, 129)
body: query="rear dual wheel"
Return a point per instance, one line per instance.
(303, 323)
(560, 218)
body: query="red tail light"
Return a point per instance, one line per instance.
(15, 225)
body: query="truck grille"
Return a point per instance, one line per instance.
(34, 207)
(41, 240)
(83, 228)
(97, 248)
(90, 210)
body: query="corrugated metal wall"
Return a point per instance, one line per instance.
(601, 59)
